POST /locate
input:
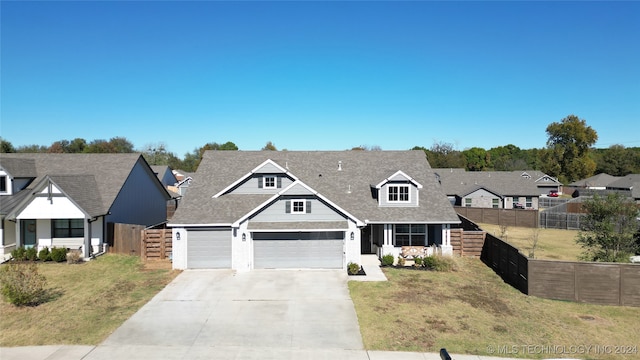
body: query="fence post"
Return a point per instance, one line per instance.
(143, 245)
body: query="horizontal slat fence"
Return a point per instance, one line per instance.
(156, 244)
(508, 217)
(467, 243)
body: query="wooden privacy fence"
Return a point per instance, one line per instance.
(595, 283)
(156, 244)
(508, 217)
(506, 261)
(467, 243)
(589, 282)
(149, 244)
(125, 238)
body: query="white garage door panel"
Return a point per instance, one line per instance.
(209, 249)
(283, 254)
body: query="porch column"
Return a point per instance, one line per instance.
(18, 235)
(387, 244)
(447, 249)
(87, 239)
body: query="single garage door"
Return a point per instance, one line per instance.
(209, 249)
(301, 250)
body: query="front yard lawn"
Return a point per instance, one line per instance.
(472, 311)
(89, 301)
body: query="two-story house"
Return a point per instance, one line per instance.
(318, 209)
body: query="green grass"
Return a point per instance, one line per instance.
(472, 311)
(553, 244)
(89, 301)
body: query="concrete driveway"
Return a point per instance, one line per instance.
(232, 315)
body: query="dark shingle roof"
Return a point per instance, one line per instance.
(600, 180)
(319, 170)
(18, 168)
(505, 183)
(625, 182)
(77, 174)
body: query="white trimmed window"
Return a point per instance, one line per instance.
(398, 193)
(410, 234)
(269, 182)
(4, 188)
(495, 203)
(67, 228)
(528, 202)
(468, 202)
(298, 207)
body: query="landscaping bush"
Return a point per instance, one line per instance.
(417, 261)
(22, 285)
(31, 254)
(74, 257)
(401, 261)
(19, 254)
(439, 263)
(353, 268)
(387, 260)
(44, 255)
(59, 254)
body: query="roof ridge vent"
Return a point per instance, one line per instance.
(340, 165)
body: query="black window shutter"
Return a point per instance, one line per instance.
(308, 206)
(287, 206)
(279, 182)
(260, 183)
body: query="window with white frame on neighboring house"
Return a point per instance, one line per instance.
(528, 202)
(495, 203)
(468, 202)
(398, 193)
(516, 202)
(410, 234)
(68, 228)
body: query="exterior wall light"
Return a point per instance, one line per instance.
(244, 237)
(353, 236)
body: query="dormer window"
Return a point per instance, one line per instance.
(3, 184)
(398, 193)
(269, 182)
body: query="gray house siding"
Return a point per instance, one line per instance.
(281, 212)
(482, 199)
(255, 185)
(142, 200)
(383, 195)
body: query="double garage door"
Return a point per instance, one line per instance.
(311, 250)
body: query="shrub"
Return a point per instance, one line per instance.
(44, 255)
(401, 261)
(22, 285)
(387, 260)
(31, 254)
(353, 268)
(439, 263)
(19, 254)
(417, 261)
(74, 257)
(58, 254)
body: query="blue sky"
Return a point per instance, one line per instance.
(318, 75)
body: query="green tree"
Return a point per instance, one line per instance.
(192, 159)
(270, 146)
(568, 149)
(32, 149)
(6, 146)
(476, 159)
(607, 231)
(617, 160)
(443, 155)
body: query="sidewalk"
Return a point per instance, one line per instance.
(102, 352)
(371, 266)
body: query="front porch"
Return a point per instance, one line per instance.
(416, 240)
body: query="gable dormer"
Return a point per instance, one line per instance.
(266, 178)
(398, 190)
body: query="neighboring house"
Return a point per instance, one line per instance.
(165, 175)
(493, 189)
(183, 182)
(290, 209)
(67, 200)
(544, 182)
(595, 182)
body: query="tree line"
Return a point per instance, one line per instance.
(568, 156)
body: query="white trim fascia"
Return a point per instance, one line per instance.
(199, 225)
(253, 171)
(550, 177)
(296, 230)
(284, 191)
(399, 172)
(12, 215)
(367, 222)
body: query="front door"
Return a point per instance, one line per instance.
(28, 233)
